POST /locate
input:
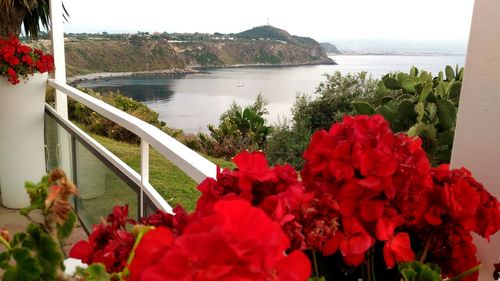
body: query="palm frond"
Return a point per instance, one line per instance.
(38, 18)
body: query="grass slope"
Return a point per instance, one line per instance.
(173, 184)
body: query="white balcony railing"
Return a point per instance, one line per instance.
(190, 162)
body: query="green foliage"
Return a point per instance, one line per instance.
(334, 99)
(286, 144)
(26, 268)
(240, 129)
(420, 105)
(207, 58)
(64, 230)
(36, 254)
(94, 272)
(418, 271)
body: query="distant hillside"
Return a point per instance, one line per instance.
(329, 48)
(86, 53)
(273, 33)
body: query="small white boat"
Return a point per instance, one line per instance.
(239, 84)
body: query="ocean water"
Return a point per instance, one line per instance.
(191, 102)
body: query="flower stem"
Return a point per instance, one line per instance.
(372, 260)
(466, 273)
(315, 262)
(142, 231)
(371, 265)
(426, 249)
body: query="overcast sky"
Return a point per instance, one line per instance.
(322, 20)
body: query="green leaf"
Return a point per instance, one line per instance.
(363, 107)
(388, 114)
(423, 130)
(406, 111)
(432, 97)
(26, 268)
(455, 90)
(17, 240)
(408, 85)
(401, 76)
(46, 251)
(461, 74)
(418, 271)
(425, 76)
(405, 97)
(386, 99)
(450, 74)
(392, 83)
(37, 193)
(420, 110)
(414, 71)
(4, 259)
(94, 272)
(431, 109)
(381, 89)
(447, 114)
(64, 231)
(425, 92)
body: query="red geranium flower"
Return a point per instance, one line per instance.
(17, 60)
(237, 242)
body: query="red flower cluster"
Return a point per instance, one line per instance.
(458, 206)
(235, 242)
(176, 223)
(276, 190)
(367, 170)
(18, 60)
(109, 243)
(365, 192)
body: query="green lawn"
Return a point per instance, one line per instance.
(172, 183)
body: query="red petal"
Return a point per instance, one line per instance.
(371, 210)
(81, 250)
(295, 267)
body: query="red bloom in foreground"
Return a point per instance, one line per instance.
(109, 243)
(152, 246)
(237, 242)
(398, 249)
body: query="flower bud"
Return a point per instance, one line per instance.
(5, 234)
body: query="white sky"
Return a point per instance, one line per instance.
(320, 19)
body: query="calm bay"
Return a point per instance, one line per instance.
(191, 102)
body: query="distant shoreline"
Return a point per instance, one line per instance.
(195, 69)
(103, 75)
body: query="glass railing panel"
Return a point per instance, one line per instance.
(101, 185)
(100, 188)
(58, 147)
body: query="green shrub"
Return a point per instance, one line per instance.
(239, 129)
(420, 105)
(333, 99)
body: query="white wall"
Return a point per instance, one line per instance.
(477, 137)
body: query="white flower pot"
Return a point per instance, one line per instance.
(22, 156)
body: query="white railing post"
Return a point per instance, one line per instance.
(57, 32)
(477, 136)
(144, 172)
(57, 35)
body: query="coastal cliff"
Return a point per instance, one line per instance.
(177, 53)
